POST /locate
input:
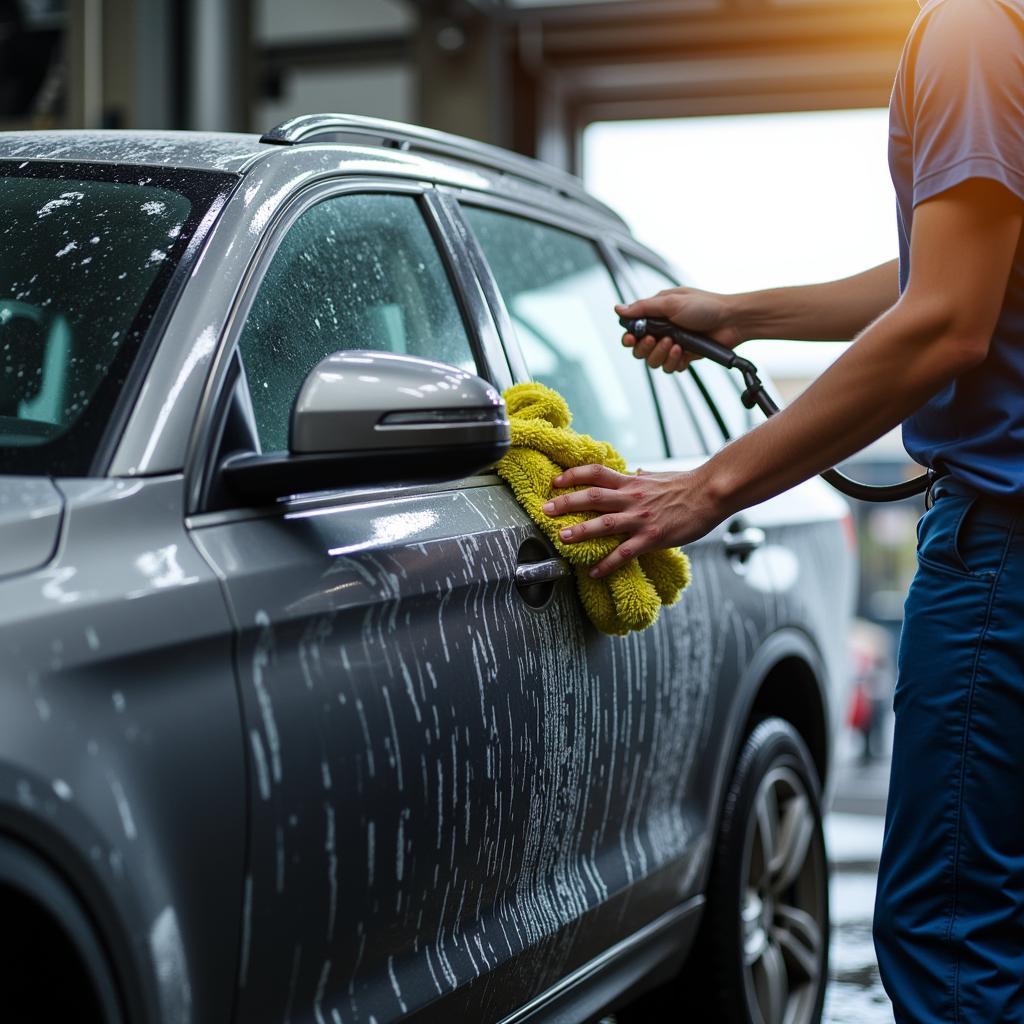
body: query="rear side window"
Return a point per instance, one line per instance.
(559, 295)
(354, 272)
(720, 384)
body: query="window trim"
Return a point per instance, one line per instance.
(456, 242)
(619, 270)
(202, 447)
(605, 253)
(542, 214)
(710, 402)
(500, 316)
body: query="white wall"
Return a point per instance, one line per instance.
(378, 91)
(280, 22)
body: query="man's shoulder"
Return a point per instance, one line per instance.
(957, 43)
(999, 23)
(969, 9)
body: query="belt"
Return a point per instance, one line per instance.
(947, 487)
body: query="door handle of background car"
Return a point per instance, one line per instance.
(549, 570)
(742, 541)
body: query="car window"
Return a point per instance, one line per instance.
(354, 272)
(86, 256)
(684, 438)
(721, 385)
(559, 295)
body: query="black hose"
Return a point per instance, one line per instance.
(755, 394)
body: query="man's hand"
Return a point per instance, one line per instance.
(695, 310)
(833, 311)
(652, 510)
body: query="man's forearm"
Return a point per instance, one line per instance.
(897, 364)
(834, 311)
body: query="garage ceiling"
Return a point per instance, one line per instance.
(587, 61)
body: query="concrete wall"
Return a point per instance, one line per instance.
(294, 21)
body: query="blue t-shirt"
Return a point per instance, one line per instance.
(957, 113)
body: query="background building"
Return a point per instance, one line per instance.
(522, 73)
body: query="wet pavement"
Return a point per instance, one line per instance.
(854, 834)
(855, 994)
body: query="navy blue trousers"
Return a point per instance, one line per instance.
(949, 914)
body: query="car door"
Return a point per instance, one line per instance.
(424, 738)
(645, 831)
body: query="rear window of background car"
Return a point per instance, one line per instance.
(559, 295)
(357, 271)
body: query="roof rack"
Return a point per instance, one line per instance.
(412, 138)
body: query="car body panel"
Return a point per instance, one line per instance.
(499, 788)
(30, 514)
(120, 744)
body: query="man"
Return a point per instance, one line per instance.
(941, 348)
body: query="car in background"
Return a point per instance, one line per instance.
(301, 718)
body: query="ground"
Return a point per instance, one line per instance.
(854, 834)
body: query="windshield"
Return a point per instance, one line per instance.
(86, 254)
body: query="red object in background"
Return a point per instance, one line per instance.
(850, 532)
(859, 715)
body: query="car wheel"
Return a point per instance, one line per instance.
(768, 897)
(762, 953)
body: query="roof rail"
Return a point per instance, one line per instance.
(413, 138)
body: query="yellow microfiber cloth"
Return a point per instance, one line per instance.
(543, 444)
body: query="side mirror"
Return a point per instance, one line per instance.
(371, 417)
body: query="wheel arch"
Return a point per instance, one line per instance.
(43, 866)
(787, 678)
(41, 896)
(791, 691)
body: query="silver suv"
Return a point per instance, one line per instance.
(300, 716)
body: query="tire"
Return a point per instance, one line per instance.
(761, 956)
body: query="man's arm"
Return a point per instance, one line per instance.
(962, 251)
(833, 311)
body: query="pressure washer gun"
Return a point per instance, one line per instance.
(755, 394)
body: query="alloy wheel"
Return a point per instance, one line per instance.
(783, 916)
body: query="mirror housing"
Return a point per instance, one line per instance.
(364, 418)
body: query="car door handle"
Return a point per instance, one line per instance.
(743, 541)
(549, 570)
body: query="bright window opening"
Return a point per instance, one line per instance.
(742, 202)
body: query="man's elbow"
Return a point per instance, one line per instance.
(968, 351)
(943, 328)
